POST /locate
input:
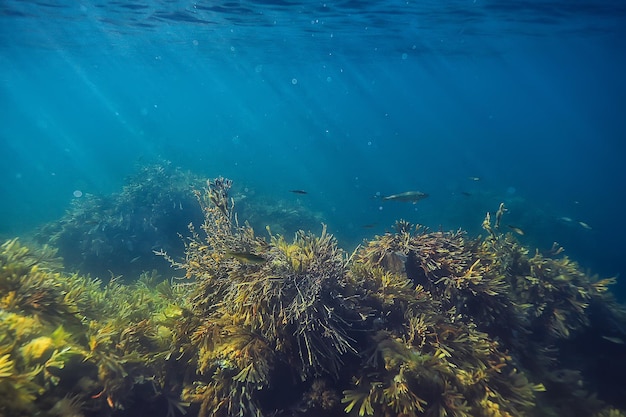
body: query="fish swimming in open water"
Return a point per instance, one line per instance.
(298, 192)
(409, 196)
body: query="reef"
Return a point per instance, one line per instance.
(412, 323)
(118, 233)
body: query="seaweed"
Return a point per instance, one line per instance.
(117, 234)
(412, 323)
(70, 346)
(251, 320)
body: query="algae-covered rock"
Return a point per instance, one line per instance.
(118, 234)
(413, 323)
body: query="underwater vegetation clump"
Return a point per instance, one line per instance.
(267, 317)
(412, 323)
(427, 356)
(118, 233)
(70, 346)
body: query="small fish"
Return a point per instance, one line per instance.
(584, 225)
(466, 194)
(368, 226)
(298, 192)
(245, 257)
(616, 340)
(474, 178)
(409, 196)
(516, 229)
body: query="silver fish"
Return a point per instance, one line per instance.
(409, 196)
(516, 229)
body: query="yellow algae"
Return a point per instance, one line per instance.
(412, 323)
(36, 348)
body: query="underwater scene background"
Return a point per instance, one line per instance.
(123, 122)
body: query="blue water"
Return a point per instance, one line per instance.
(347, 100)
